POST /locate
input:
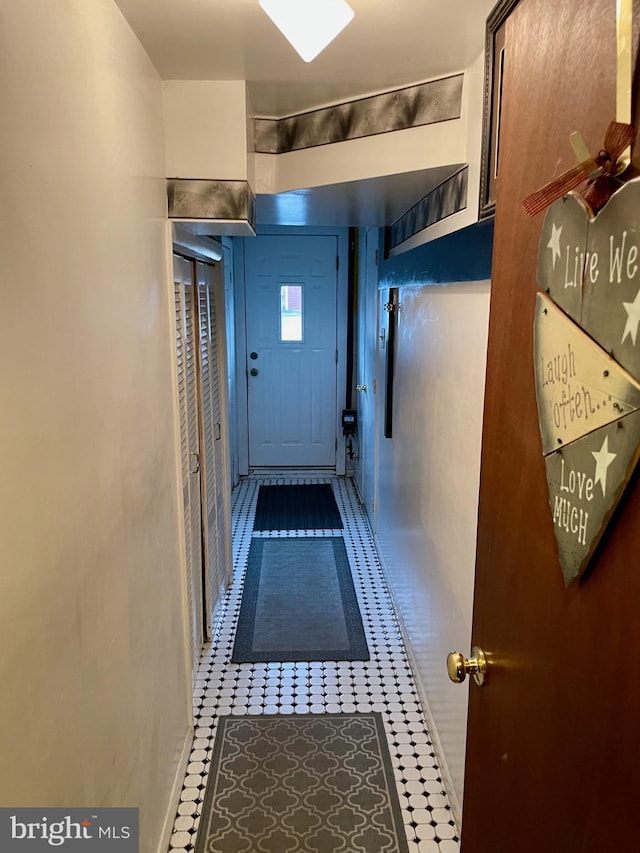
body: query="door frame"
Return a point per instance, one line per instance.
(368, 371)
(219, 352)
(221, 291)
(183, 242)
(230, 349)
(342, 235)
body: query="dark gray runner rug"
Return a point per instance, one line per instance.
(298, 507)
(299, 603)
(309, 784)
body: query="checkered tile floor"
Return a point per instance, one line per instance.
(382, 684)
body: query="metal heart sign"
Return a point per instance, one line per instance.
(587, 365)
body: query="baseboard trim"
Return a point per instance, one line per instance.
(447, 781)
(176, 790)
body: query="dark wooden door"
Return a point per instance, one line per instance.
(553, 753)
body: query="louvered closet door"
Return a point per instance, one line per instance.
(209, 472)
(189, 441)
(221, 425)
(218, 497)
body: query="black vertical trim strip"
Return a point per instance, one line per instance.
(388, 242)
(391, 361)
(351, 301)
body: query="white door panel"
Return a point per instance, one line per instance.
(291, 302)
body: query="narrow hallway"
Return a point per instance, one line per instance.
(383, 684)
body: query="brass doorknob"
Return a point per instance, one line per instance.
(458, 666)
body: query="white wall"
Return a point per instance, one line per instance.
(428, 490)
(94, 708)
(206, 129)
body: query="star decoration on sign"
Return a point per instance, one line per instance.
(633, 319)
(603, 460)
(554, 243)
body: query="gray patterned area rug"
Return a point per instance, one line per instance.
(299, 603)
(310, 784)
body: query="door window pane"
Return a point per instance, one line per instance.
(291, 312)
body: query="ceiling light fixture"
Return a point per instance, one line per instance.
(309, 25)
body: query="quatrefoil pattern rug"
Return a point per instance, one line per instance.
(309, 784)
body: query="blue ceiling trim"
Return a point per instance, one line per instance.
(464, 255)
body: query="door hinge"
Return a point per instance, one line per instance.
(336, 443)
(375, 386)
(336, 356)
(376, 257)
(337, 262)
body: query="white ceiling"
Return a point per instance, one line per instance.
(389, 44)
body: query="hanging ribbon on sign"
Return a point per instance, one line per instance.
(603, 171)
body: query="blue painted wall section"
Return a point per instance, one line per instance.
(462, 256)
